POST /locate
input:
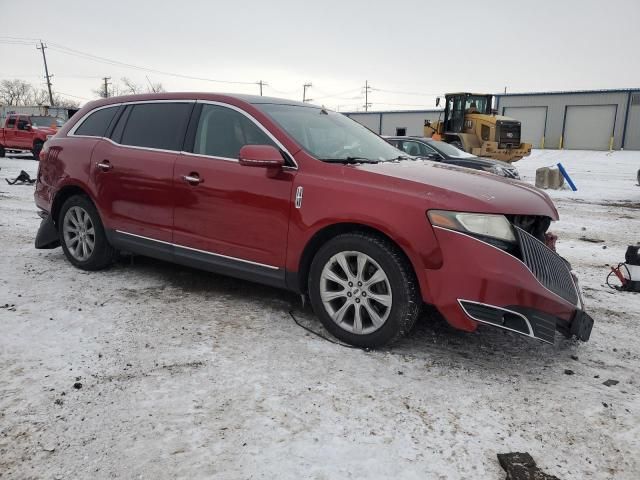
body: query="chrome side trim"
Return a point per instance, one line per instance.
(71, 133)
(299, 193)
(200, 251)
(510, 256)
(530, 334)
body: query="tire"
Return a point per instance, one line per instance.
(37, 147)
(2, 152)
(457, 144)
(388, 308)
(82, 235)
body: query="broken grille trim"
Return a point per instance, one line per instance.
(547, 266)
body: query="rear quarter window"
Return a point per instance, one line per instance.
(96, 124)
(156, 125)
(11, 123)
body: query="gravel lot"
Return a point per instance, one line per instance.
(154, 371)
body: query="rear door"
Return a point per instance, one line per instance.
(132, 173)
(233, 218)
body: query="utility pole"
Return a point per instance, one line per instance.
(106, 86)
(304, 92)
(46, 71)
(367, 89)
(262, 84)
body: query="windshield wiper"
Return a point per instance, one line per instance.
(349, 160)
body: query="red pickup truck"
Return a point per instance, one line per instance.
(27, 132)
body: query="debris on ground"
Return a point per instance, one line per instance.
(23, 179)
(610, 382)
(522, 466)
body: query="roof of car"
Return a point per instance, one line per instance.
(252, 99)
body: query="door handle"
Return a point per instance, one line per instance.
(105, 166)
(193, 178)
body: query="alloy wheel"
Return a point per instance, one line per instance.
(79, 233)
(356, 292)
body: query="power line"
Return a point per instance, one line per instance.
(87, 56)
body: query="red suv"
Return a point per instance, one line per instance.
(303, 198)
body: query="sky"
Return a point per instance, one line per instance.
(409, 52)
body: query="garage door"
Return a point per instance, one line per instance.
(533, 120)
(632, 140)
(589, 127)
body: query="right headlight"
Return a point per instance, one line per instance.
(476, 224)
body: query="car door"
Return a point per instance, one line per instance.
(10, 132)
(132, 174)
(23, 133)
(229, 217)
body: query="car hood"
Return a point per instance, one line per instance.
(450, 187)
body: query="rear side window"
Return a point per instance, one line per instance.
(156, 125)
(222, 132)
(11, 123)
(96, 124)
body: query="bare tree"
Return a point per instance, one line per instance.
(126, 86)
(15, 92)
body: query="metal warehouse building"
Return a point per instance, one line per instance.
(586, 120)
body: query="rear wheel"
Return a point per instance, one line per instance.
(82, 235)
(2, 152)
(363, 290)
(37, 147)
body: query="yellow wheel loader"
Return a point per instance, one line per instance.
(470, 125)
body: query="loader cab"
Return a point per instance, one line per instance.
(460, 104)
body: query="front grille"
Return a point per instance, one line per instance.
(549, 268)
(509, 134)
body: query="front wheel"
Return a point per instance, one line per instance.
(37, 148)
(364, 290)
(82, 235)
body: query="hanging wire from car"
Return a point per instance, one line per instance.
(318, 334)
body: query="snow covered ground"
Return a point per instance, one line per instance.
(186, 374)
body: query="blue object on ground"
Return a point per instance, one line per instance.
(567, 178)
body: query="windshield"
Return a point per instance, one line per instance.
(330, 136)
(44, 121)
(450, 150)
(477, 104)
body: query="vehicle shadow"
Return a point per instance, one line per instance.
(432, 339)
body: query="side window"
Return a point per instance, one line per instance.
(11, 123)
(429, 150)
(222, 132)
(22, 123)
(157, 125)
(96, 124)
(412, 148)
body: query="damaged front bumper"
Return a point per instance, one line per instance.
(47, 236)
(534, 293)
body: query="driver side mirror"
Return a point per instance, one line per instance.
(27, 127)
(437, 101)
(265, 156)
